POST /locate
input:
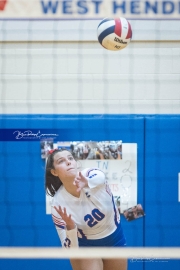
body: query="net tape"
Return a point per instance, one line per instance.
(80, 253)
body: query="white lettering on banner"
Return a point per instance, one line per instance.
(89, 9)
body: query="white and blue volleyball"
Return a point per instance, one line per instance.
(114, 34)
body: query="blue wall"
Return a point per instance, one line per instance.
(162, 165)
(22, 197)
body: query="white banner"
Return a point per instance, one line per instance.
(89, 9)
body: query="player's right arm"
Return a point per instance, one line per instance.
(89, 178)
(65, 226)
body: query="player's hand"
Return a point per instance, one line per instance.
(70, 224)
(80, 182)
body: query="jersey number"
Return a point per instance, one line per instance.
(93, 219)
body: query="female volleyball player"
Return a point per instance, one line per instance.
(83, 210)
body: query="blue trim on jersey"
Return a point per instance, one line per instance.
(90, 170)
(105, 33)
(115, 212)
(105, 20)
(116, 239)
(62, 227)
(80, 231)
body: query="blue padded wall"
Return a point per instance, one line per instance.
(162, 165)
(22, 197)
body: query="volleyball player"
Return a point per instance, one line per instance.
(83, 210)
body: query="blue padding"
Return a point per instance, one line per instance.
(38, 190)
(19, 190)
(39, 218)
(47, 237)
(3, 187)
(22, 198)
(21, 166)
(5, 236)
(35, 264)
(162, 165)
(23, 236)
(4, 215)
(20, 214)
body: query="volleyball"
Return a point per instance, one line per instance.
(114, 34)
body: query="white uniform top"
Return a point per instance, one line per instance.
(94, 212)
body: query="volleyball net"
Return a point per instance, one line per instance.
(59, 67)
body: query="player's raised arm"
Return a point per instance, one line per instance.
(89, 178)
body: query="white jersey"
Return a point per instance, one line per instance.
(94, 212)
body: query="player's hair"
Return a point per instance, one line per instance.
(52, 182)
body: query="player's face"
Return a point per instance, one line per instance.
(64, 165)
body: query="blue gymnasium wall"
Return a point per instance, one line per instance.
(22, 199)
(162, 165)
